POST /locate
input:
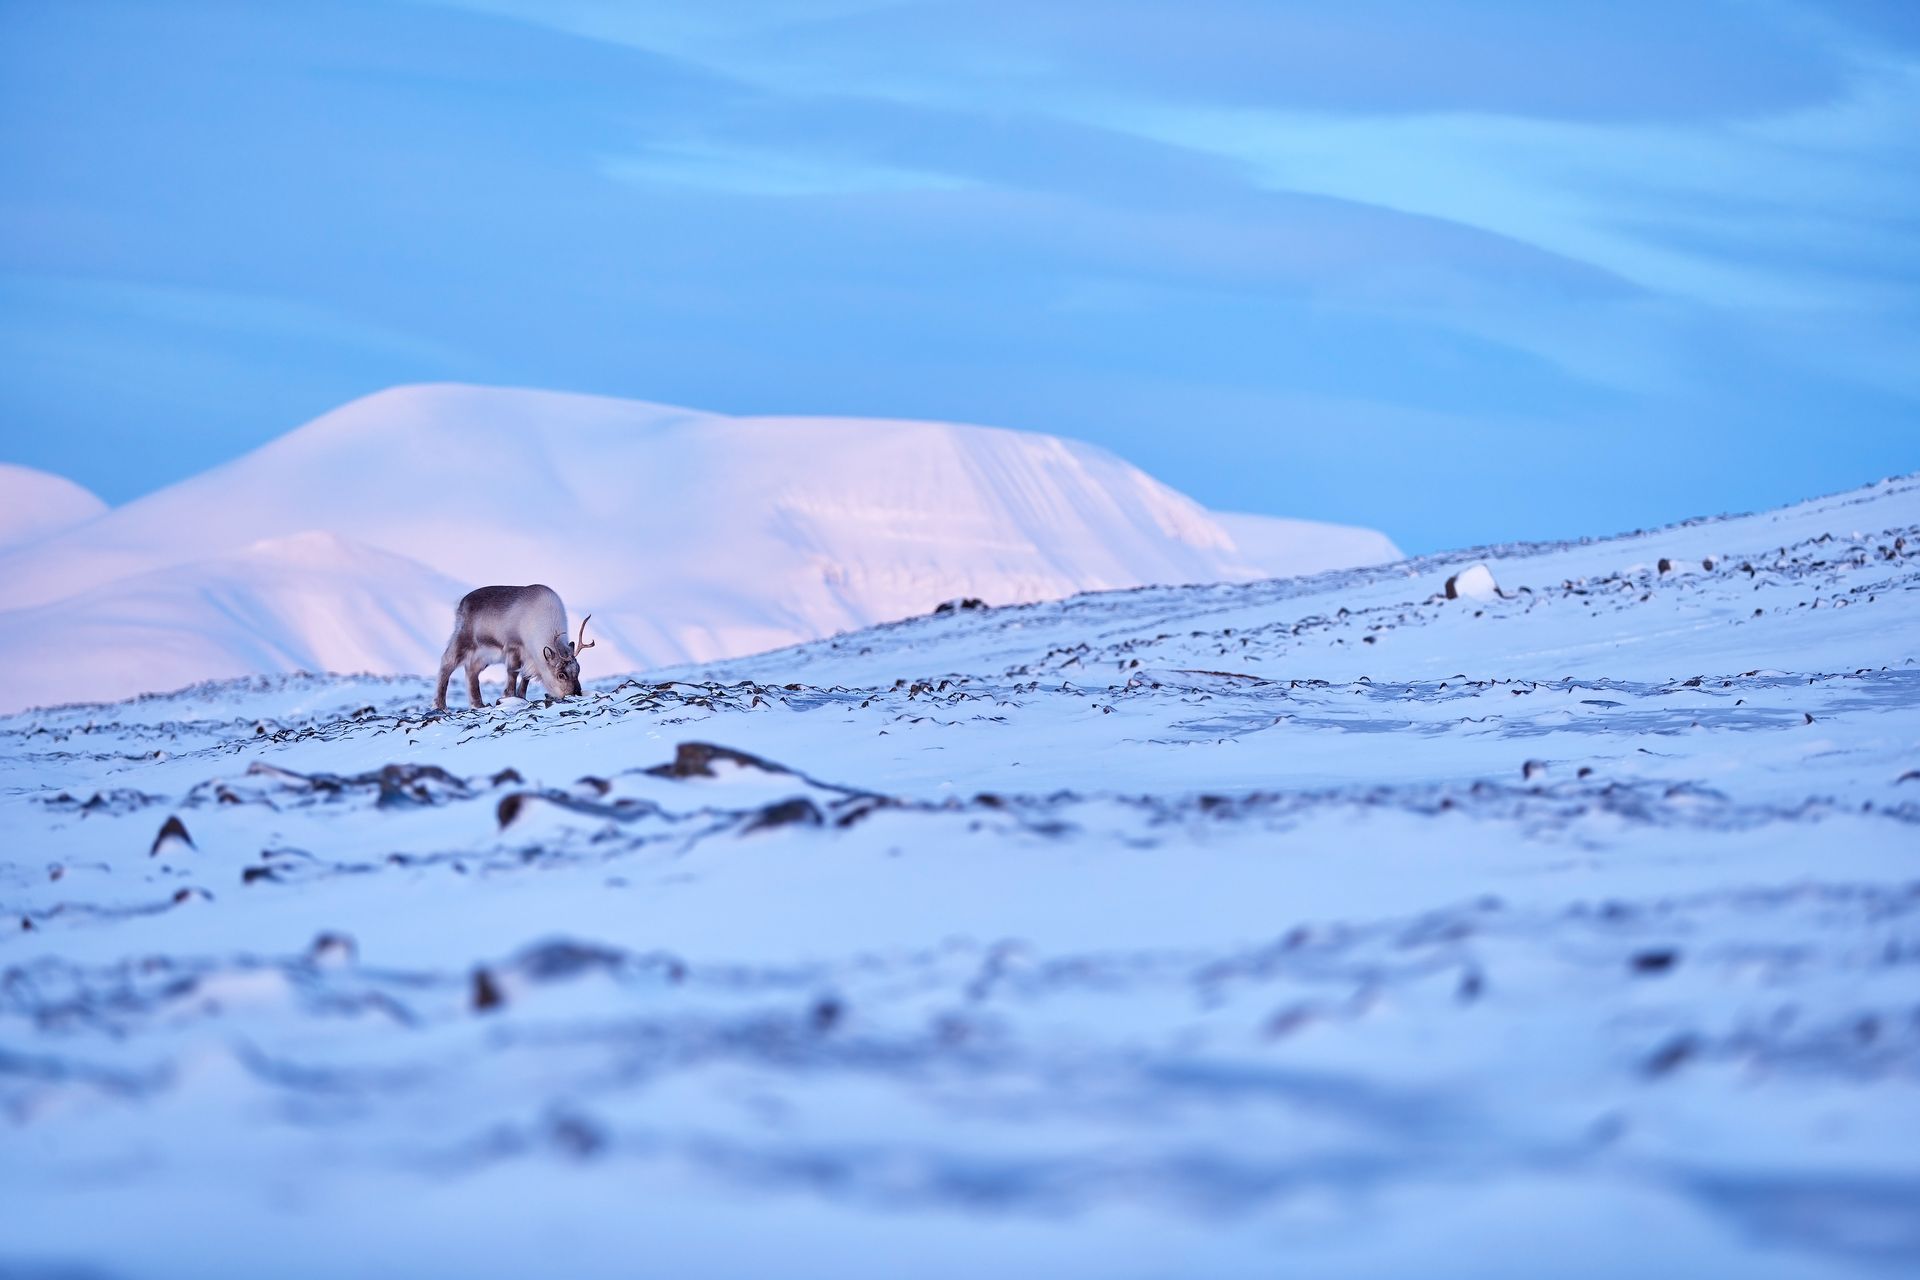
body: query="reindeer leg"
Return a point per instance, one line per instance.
(513, 675)
(474, 666)
(448, 661)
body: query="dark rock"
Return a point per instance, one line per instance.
(1669, 1056)
(509, 808)
(577, 1137)
(171, 829)
(333, 948)
(486, 993)
(1655, 961)
(785, 813)
(695, 760)
(415, 784)
(565, 958)
(859, 809)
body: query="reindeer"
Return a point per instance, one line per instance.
(525, 627)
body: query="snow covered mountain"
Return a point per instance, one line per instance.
(1331, 925)
(304, 602)
(688, 536)
(1285, 548)
(36, 504)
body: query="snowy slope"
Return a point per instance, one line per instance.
(688, 536)
(35, 504)
(1322, 926)
(1284, 548)
(306, 602)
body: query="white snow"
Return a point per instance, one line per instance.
(1475, 582)
(36, 504)
(1318, 925)
(688, 536)
(310, 601)
(1284, 548)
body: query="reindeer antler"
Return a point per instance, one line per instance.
(583, 642)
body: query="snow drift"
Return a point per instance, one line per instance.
(689, 536)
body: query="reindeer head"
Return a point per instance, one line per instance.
(565, 662)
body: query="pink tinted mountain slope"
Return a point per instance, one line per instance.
(688, 535)
(36, 505)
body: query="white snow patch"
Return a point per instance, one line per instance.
(1475, 582)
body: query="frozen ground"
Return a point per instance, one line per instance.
(1321, 926)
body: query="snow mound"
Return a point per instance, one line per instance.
(36, 504)
(1475, 582)
(689, 536)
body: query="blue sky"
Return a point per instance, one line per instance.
(1461, 271)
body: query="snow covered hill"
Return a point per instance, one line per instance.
(35, 505)
(1327, 925)
(1284, 548)
(305, 602)
(688, 536)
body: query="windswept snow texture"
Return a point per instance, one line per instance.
(35, 505)
(1322, 927)
(688, 536)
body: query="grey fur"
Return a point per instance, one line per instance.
(524, 627)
